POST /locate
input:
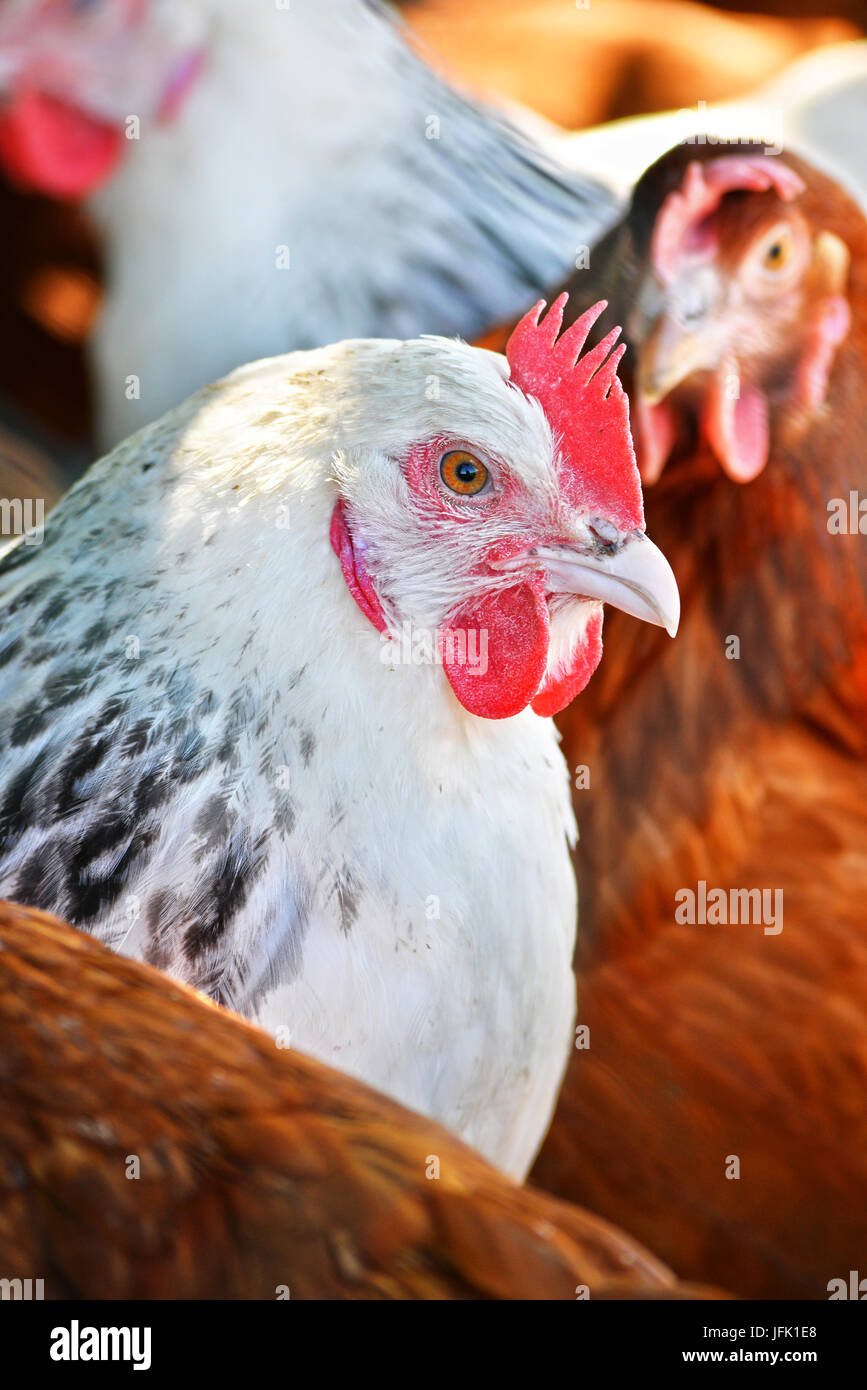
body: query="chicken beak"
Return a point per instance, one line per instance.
(634, 576)
(669, 356)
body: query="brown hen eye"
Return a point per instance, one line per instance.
(778, 254)
(463, 472)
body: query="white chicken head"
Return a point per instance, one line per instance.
(503, 510)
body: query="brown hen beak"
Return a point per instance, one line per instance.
(670, 354)
(684, 332)
(693, 340)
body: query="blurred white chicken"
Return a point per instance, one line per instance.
(294, 175)
(270, 177)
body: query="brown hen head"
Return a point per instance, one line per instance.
(740, 269)
(741, 279)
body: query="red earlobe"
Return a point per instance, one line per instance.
(358, 581)
(495, 649)
(831, 324)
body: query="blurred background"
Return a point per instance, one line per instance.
(576, 65)
(615, 58)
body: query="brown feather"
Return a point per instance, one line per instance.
(708, 1041)
(258, 1167)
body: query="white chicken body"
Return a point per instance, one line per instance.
(450, 983)
(211, 762)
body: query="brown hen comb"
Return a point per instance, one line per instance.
(682, 223)
(586, 407)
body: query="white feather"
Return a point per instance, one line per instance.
(405, 208)
(411, 915)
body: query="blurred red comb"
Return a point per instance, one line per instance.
(586, 407)
(681, 225)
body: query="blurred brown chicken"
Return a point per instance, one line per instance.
(736, 755)
(26, 474)
(154, 1146)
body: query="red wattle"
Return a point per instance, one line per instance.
(495, 649)
(655, 429)
(736, 424)
(558, 692)
(55, 148)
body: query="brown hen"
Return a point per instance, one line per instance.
(153, 1145)
(718, 1048)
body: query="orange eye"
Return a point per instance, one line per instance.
(463, 473)
(779, 252)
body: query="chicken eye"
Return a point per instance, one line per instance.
(463, 472)
(778, 253)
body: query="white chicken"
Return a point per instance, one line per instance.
(270, 699)
(268, 178)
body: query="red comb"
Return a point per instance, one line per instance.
(680, 225)
(586, 407)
